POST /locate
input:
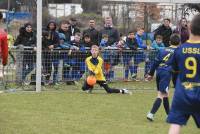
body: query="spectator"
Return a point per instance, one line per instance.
(113, 34)
(92, 32)
(27, 39)
(77, 53)
(64, 28)
(106, 56)
(165, 31)
(87, 41)
(73, 28)
(113, 37)
(157, 43)
(139, 55)
(104, 41)
(65, 43)
(182, 30)
(51, 41)
(131, 47)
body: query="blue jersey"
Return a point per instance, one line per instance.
(163, 60)
(186, 61)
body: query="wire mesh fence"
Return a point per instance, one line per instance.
(66, 66)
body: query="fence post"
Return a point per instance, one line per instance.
(39, 46)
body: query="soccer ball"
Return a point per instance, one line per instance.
(91, 80)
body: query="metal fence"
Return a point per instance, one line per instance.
(66, 66)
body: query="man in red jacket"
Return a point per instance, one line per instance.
(3, 44)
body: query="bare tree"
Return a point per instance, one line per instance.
(195, 7)
(93, 6)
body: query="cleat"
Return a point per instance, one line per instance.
(126, 91)
(135, 79)
(89, 91)
(133, 76)
(150, 116)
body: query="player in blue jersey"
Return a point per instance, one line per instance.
(186, 100)
(163, 68)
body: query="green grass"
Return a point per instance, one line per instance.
(68, 110)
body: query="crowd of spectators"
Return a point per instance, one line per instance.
(73, 45)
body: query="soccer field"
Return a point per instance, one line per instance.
(71, 111)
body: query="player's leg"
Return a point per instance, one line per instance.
(112, 90)
(176, 119)
(157, 102)
(174, 129)
(196, 118)
(174, 78)
(126, 60)
(155, 107)
(87, 87)
(166, 103)
(135, 65)
(164, 89)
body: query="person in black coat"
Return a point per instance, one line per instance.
(50, 41)
(113, 37)
(73, 29)
(94, 34)
(113, 34)
(27, 39)
(165, 31)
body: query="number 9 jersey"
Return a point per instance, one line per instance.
(186, 60)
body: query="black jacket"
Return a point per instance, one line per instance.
(72, 32)
(113, 35)
(165, 32)
(94, 35)
(26, 39)
(52, 37)
(132, 43)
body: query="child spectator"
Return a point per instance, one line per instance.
(158, 44)
(62, 42)
(104, 41)
(140, 55)
(77, 53)
(131, 45)
(104, 45)
(87, 41)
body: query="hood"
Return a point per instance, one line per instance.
(53, 23)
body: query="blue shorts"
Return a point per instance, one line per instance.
(186, 103)
(163, 80)
(181, 118)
